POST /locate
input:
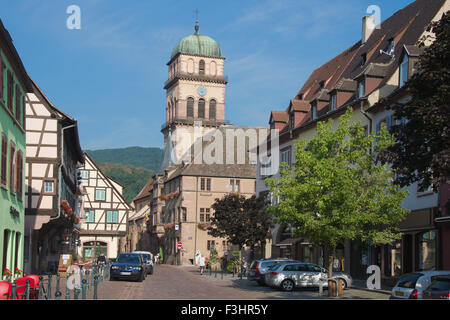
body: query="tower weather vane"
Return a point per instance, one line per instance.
(196, 20)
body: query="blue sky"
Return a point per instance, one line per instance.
(109, 75)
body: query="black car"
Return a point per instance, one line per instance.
(128, 266)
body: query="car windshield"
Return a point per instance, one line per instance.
(146, 257)
(129, 258)
(409, 280)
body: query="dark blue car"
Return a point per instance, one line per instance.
(128, 266)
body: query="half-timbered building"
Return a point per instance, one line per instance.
(104, 225)
(53, 197)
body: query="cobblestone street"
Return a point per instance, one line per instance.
(181, 282)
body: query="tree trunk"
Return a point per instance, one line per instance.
(331, 284)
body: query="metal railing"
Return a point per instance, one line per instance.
(89, 280)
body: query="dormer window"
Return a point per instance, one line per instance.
(363, 59)
(333, 101)
(321, 84)
(403, 70)
(390, 46)
(361, 89)
(292, 120)
(314, 110)
(300, 96)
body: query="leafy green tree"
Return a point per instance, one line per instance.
(241, 220)
(421, 152)
(335, 190)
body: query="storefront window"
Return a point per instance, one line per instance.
(426, 242)
(394, 260)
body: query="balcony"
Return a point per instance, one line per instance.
(190, 121)
(195, 77)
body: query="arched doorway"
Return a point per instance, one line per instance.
(92, 249)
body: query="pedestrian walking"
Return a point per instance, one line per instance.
(202, 263)
(101, 259)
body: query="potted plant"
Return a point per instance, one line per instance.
(7, 274)
(18, 273)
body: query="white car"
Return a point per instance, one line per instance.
(148, 258)
(412, 285)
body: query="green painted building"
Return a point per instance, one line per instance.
(14, 83)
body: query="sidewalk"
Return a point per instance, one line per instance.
(362, 285)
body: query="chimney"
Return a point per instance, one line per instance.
(368, 25)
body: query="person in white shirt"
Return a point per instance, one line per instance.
(202, 264)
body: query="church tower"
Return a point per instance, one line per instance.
(195, 90)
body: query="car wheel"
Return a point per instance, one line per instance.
(261, 282)
(287, 285)
(112, 279)
(141, 277)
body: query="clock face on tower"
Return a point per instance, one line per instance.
(201, 90)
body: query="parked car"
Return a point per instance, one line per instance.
(288, 276)
(148, 259)
(258, 268)
(438, 289)
(129, 266)
(412, 285)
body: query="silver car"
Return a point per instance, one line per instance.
(301, 275)
(412, 285)
(259, 268)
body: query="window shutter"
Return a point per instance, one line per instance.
(10, 93)
(11, 168)
(17, 106)
(1, 77)
(19, 177)
(4, 159)
(23, 112)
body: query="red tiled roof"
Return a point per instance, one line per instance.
(405, 27)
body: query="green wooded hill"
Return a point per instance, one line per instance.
(149, 158)
(132, 167)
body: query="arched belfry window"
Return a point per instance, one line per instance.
(201, 108)
(190, 108)
(201, 67)
(212, 109)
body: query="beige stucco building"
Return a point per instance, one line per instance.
(205, 157)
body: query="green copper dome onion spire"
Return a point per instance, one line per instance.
(198, 45)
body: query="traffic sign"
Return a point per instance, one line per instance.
(179, 244)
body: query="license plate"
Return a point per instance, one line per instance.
(125, 273)
(399, 293)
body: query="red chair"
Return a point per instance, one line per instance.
(21, 285)
(34, 286)
(5, 290)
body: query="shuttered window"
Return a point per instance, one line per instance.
(201, 108)
(1, 78)
(100, 194)
(10, 91)
(4, 159)
(12, 159)
(190, 108)
(212, 109)
(18, 107)
(19, 175)
(112, 217)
